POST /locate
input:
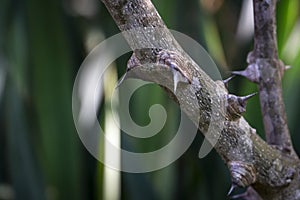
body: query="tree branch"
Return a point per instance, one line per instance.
(267, 70)
(251, 161)
(270, 69)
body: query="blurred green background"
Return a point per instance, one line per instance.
(42, 45)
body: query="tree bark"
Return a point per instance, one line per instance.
(271, 70)
(271, 171)
(267, 70)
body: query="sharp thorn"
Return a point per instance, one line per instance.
(245, 98)
(232, 187)
(227, 80)
(239, 73)
(121, 80)
(243, 73)
(176, 77)
(251, 73)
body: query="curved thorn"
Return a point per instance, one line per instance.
(227, 80)
(121, 80)
(175, 79)
(128, 74)
(232, 187)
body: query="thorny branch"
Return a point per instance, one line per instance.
(272, 172)
(267, 70)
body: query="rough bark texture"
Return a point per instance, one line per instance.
(271, 71)
(271, 171)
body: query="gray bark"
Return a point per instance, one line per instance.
(272, 170)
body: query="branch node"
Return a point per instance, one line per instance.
(243, 174)
(173, 60)
(236, 105)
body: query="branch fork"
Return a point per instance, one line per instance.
(273, 173)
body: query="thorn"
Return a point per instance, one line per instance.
(250, 57)
(238, 73)
(227, 80)
(244, 99)
(178, 77)
(121, 80)
(251, 73)
(128, 74)
(232, 187)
